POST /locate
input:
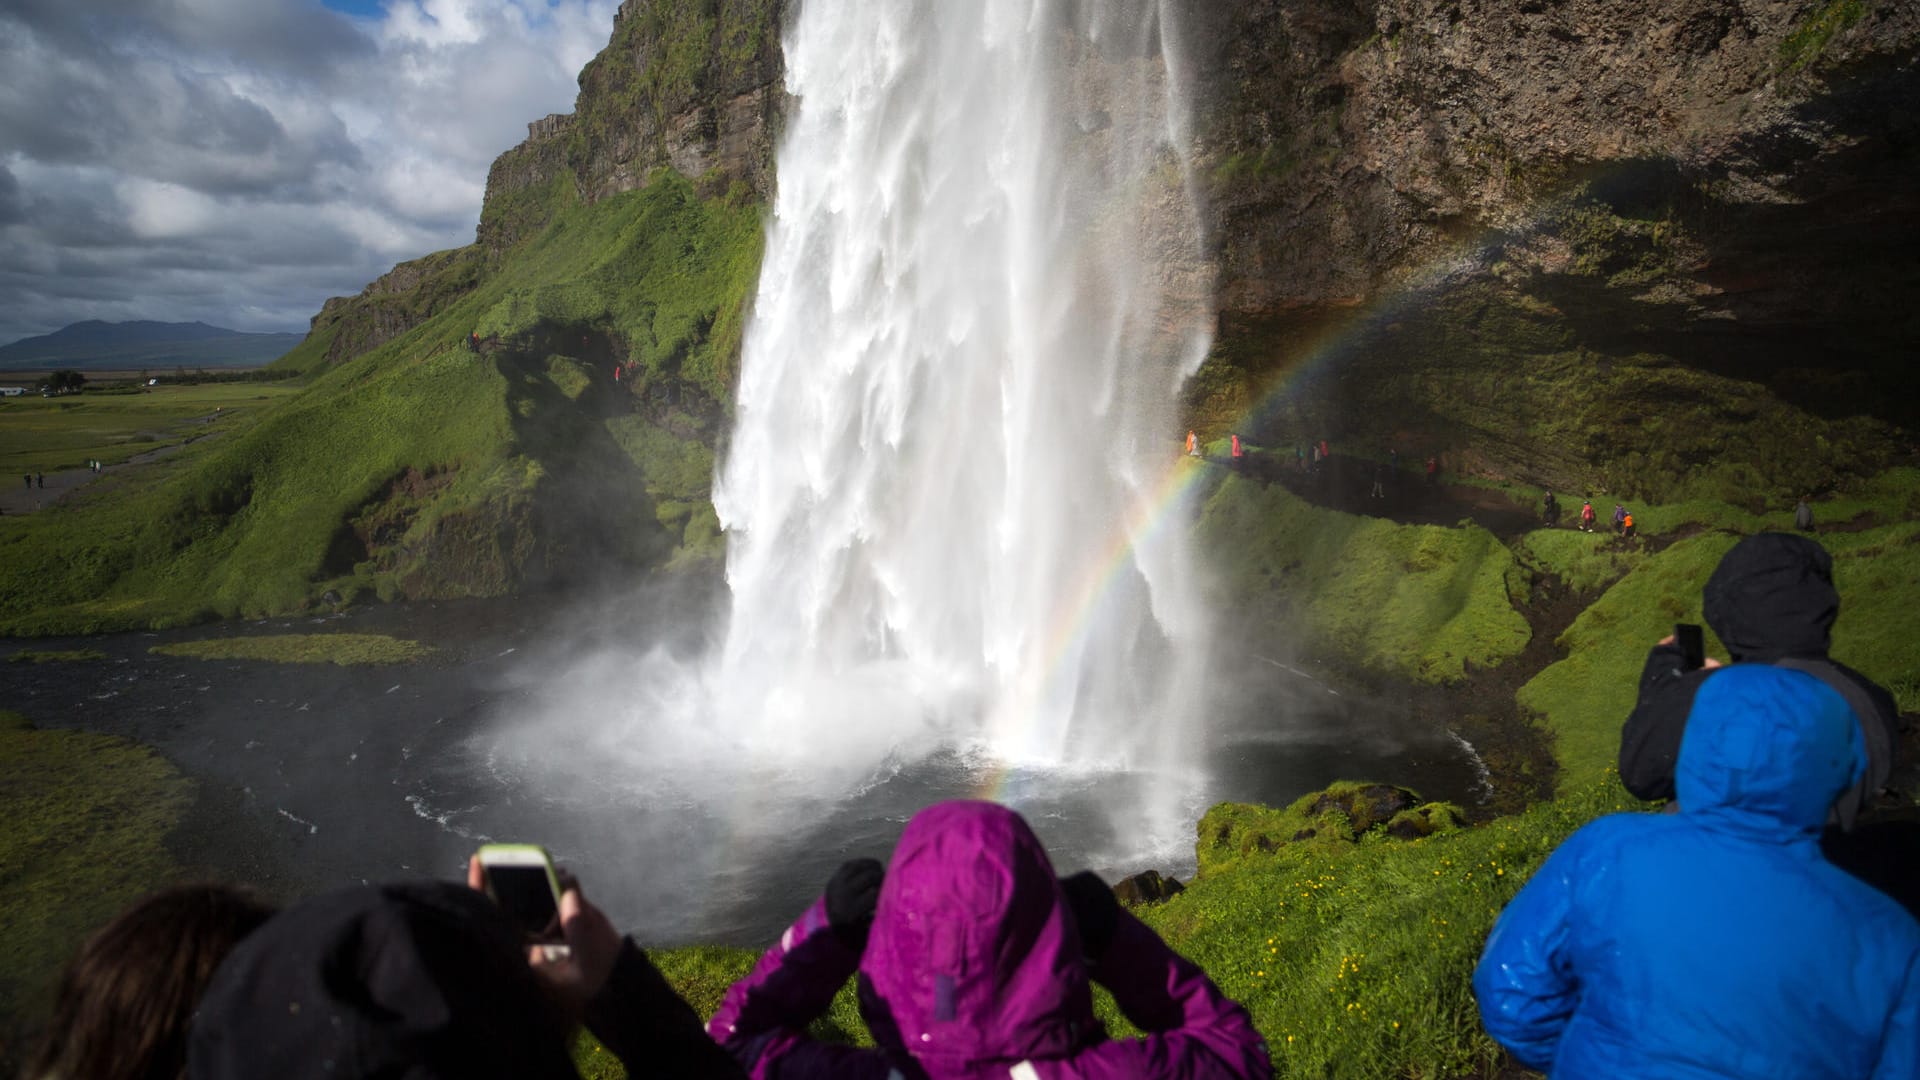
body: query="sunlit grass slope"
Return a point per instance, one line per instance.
(422, 468)
(1416, 600)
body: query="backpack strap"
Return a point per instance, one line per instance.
(1876, 736)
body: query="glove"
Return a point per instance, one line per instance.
(1094, 909)
(852, 893)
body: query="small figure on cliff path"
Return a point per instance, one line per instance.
(1587, 516)
(1550, 510)
(1433, 470)
(1193, 444)
(1379, 490)
(1626, 525)
(1619, 516)
(1803, 516)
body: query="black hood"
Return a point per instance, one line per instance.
(419, 981)
(1773, 596)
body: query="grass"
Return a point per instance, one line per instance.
(55, 656)
(87, 817)
(1586, 562)
(343, 649)
(264, 520)
(49, 434)
(1355, 959)
(1586, 696)
(1420, 601)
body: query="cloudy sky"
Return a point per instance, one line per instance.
(239, 161)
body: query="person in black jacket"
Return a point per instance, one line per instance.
(432, 981)
(1772, 601)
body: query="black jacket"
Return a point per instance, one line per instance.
(1770, 601)
(424, 981)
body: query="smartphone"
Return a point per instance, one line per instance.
(521, 880)
(1693, 646)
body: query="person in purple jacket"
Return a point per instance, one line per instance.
(975, 961)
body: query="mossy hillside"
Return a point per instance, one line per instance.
(265, 520)
(87, 817)
(1355, 959)
(677, 473)
(1340, 814)
(341, 649)
(1586, 696)
(1412, 600)
(1585, 562)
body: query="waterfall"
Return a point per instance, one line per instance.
(982, 289)
(955, 502)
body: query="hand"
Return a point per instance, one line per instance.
(1706, 663)
(1094, 909)
(853, 892)
(593, 946)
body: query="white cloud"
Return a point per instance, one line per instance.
(175, 159)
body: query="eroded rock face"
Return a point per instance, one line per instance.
(1467, 212)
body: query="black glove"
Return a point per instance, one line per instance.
(852, 893)
(1095, 909)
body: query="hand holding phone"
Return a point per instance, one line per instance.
(574, 961)
(1693, 646)
(520, 878)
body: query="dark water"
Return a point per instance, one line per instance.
(313, 776)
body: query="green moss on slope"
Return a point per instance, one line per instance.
(1414, 600)
(263, 520)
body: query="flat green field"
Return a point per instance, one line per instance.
(49, 434)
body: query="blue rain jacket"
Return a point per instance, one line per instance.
(1715, 942)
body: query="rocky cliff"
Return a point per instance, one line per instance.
(691, 85)
(1516, 231)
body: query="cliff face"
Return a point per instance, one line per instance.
(692, 85)
(689, 85)
(1444, 219)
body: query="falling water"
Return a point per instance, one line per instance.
(982, 289)
(957, 552)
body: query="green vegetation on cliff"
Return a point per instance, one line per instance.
(1414, 600)
(423, 468)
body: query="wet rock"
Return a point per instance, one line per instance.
(1147, 887)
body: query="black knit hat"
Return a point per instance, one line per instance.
(419, 981)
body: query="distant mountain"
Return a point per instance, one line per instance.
(105, 346)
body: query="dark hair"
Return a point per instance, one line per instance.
(129, 994)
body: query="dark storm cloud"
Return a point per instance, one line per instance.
(11, 207)
(177, 159)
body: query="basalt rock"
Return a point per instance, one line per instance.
(1147, 887)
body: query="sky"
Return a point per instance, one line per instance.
(239, 161)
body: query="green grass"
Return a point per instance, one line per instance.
(1584, 561)
(1355, 959)
(49, 434)
(262, 521)
(86, 820)
(55, 656)
(344, 649)
(1586, 696)
(1414, 600)
(1809, 39)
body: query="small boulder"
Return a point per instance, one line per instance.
(1147, 887)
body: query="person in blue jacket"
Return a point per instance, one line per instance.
(1716, 941)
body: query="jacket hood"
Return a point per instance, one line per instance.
(1767, 747)
(974, 955)
(1773, 596)
(424, 980)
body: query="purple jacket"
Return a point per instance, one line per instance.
(973, 969)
